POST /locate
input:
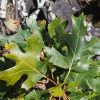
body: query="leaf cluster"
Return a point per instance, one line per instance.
(66, 63)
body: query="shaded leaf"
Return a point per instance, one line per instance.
(56, 30)
(37, 95)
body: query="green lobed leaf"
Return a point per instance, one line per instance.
(56, 57)
(78, 48)
(56, 30)
(22, 34)
(37, 95)
(75, 54)
(27, 62)
(34, 27)
(57, 91)
(78, 58)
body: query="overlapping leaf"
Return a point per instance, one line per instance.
(70, 51)
(57, 32)
(37, 95)
(78, 58)
(22, 34)
(27, 62)
(78, 48)
(57, 58)
(57, 91)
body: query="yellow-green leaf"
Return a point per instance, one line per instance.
(57, 91)
(26, 63)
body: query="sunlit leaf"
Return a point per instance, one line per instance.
(57, 91)
(27, 62)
